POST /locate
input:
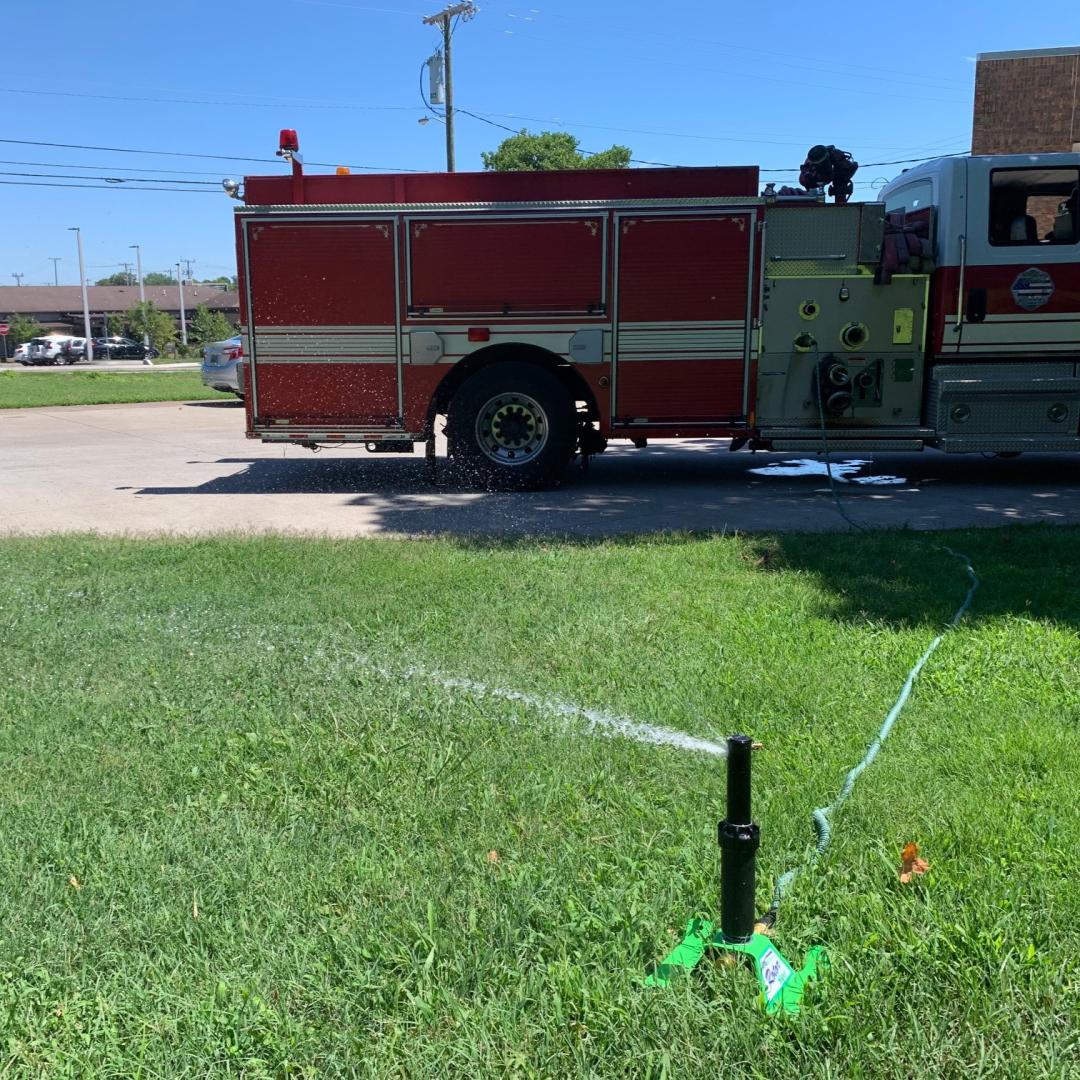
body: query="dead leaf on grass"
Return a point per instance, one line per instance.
(74, 882)
(910, 863)
(493, 856)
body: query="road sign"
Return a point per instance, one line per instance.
(4, 328)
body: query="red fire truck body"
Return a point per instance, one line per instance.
(544, 313)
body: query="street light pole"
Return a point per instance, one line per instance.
(183, 317)
(85, 298)
(466, 10)
(54, 259)
(142, 301)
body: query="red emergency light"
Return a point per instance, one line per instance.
(479, 333)
(288, 140)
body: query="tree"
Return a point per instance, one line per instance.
(526, 152)
(121, 277)
(205, 326)
(155, 277)
(147, 319)
(22, 328)
(227, 282)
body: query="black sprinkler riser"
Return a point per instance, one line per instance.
(738, 838)
(739, 748)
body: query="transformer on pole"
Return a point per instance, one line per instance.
(436, 79)
(465, 10)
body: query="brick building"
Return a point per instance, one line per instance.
(1027, 102)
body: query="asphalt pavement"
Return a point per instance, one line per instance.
(187, 468)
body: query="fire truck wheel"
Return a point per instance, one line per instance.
(511, 426)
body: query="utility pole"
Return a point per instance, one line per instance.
(466, 10)
(54, 259)
(183, 317)
(142, 299)
(85, 298)
(127, 273)
(187, 266)
(18, 278)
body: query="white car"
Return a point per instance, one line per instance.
(221, 359)
(49, 350)
(74, 350)
(22, 353)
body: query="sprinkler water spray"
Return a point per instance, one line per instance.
(782, 987)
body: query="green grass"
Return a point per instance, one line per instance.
(22, 391)
(281, 837)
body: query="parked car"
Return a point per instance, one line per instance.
(120, 348)
(22, 353)
(48, 350)
(74, 350)
(221, 363)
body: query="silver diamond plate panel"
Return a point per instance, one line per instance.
(808, 241)
(1007, 401)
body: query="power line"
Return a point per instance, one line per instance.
(341, 106)
(103, 187)
(587, 153)
(355, 7)
(188, 154)
(120, 181)
(377, 168)
(667, 134)
(828, 64)
(876, 164)
(806, 82)
(112, 179)
(669, 165)
(71, 165)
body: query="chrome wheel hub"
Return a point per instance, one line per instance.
(512, 429)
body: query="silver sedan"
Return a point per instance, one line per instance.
(221, 359)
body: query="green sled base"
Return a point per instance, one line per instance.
(782, 987)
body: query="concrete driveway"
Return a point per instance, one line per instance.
(187, 468)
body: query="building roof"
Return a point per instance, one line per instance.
(1027, 54)
(31, 299)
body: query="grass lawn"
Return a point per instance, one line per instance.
(246, 831)
(21, 391)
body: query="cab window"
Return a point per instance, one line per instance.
(1030, 207)
(911, 197)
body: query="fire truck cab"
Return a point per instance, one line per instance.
(545, 313)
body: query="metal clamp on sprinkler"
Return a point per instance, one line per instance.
(782, 987)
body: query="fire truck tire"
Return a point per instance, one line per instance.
(511, 426)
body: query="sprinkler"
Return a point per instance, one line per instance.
(782, 987)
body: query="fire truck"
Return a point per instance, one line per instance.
(543, 314)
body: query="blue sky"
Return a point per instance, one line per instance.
(690, 83)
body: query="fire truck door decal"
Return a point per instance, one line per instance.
(324, 322)
(1032, 289)
(682, 336)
